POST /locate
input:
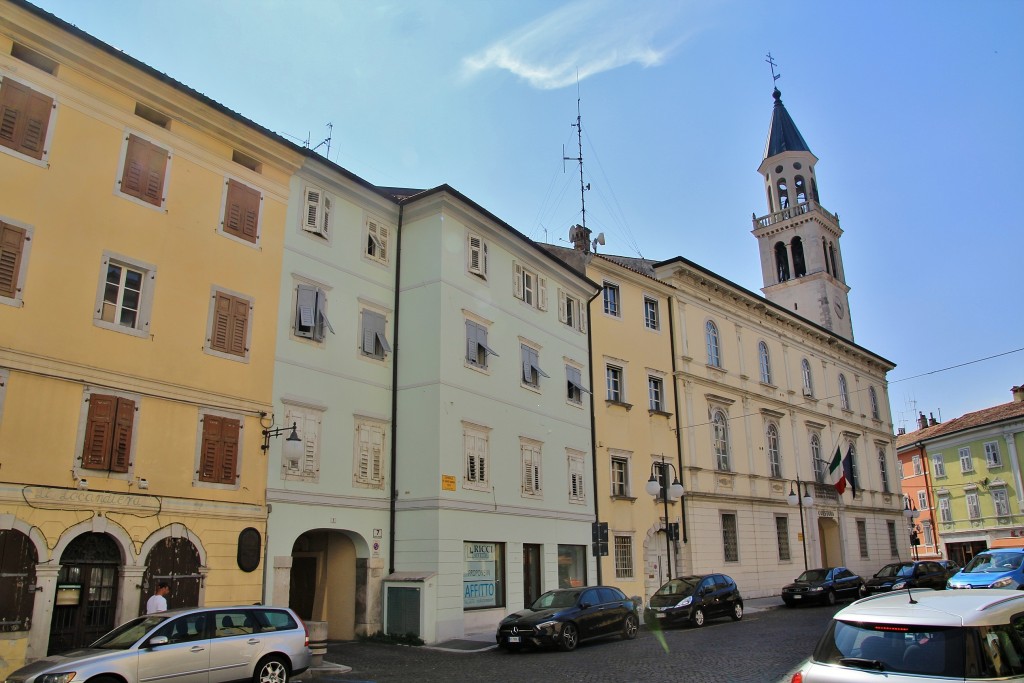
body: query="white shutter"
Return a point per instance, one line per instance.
(563, 305)
(542, 293)
(363, 461)
(311, 220)
(528, 472)
(376, 454)
(326, 224)
(517, 280)
(310, 431)
(476, 256)
(485, 260)
(321, 315)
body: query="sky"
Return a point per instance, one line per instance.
(913, 108)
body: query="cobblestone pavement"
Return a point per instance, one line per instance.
(762, 648)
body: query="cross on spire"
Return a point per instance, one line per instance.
(771, 61)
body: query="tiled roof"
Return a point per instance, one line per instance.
(1006, 411)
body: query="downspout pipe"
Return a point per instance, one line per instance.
(679, 424)
(593, 430)
(394, 396)
(925, 467)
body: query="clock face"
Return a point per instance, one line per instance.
(839, 309)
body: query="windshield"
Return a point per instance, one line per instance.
(995, 562)
(813, 575)
(556, 600)
(893, 570)
(684, 585)
(128, 633)
(926, 650)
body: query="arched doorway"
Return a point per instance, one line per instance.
(323, 583)
(656, 561)
(830, 543)
(85, 606)
(176, 561)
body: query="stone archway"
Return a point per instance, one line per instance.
(656, 565)
(326, 581)
(86, 603)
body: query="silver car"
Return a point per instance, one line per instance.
(208, 644)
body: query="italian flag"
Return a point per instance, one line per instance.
(837, 465)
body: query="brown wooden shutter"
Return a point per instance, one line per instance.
(144, 167)
(219, 450)
(120, 457)
(12, 244)
(229, 450)
(242, 211)
(230, 324)
(99, 432)
(24, 118)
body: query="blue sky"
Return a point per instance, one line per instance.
(914, 109)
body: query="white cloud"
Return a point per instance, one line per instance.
(582, 38)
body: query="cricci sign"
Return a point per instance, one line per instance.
(479, 575)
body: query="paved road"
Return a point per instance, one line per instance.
(762, 648)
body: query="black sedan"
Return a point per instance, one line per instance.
(898, 575)
(693, 600)
(565, 617)
(824, 585)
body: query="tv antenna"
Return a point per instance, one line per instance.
(326, 141)
(579, 159)
(775, 76)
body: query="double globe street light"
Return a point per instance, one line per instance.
(805, 500)
(675, 491)
(911, 513)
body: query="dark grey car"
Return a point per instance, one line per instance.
(693, 600)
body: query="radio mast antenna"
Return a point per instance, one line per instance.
(579, 159)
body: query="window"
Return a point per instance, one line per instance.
(229, 325)
(945, 512)
(613, 382)
(311, 313)
(711, 340)
(24, 118)
(109, 428)
(766, 364)
(18, 557)
(531, 366)
(124, 299)
(307, 423)
(992, 458)
(844, 393)
(241, 211)
(369, 454)
(966, 462)
(774, 456)
(1000, 501)
(915, 462)
(316, 214)
(574, 385)
(476, 255)
(476, 444)
(577, 487)
(620, 477)
(782, 537)
(817, 463)
(529, 287)
(656, 394)
(572, 566)
(805, 368)
(862, 538)
(894, 550)
(922, 500)
(611, 299)
(530, 456)
(730, 541)
(377, 240)
(219, 449)
(483, 575)
(571, 312)
(477, 349)
(973, 506)
(938, 466)
(926, 532)
(883, 470)
(720, 439)
(873, 397)
(374, 341)
(14, 246)
(652, 319)
(144, 173)
(623, 557)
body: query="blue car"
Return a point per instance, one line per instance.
(995, 568)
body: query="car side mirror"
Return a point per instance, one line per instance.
(584, 605)
(157, 640)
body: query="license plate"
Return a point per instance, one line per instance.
(797, 597)
(513, 639)
(660, 615)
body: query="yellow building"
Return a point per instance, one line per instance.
(141, 230)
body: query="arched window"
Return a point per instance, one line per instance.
(714, 351)
(783, 193)
(844, 393)
(799, 266)
(875, 414)
(832, 258)
(883, 470)
(774, 456)
(805, 368)
(781, 262)
(824, 255)
(817, 464)
(766, 364)
(801, 189)
(720, 437)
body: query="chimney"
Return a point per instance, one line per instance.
(1018, 394)
(922, 421)
(580, 238)
(931, 420)
(901, 431)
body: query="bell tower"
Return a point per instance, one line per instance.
(798, 239)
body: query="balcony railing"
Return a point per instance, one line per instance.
(793, 212)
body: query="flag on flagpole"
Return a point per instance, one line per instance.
(837, 460)
(848, 471)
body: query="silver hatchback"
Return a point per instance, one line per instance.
(208, 644)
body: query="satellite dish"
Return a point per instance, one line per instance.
(600, 238)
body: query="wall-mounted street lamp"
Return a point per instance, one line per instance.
(675, 492)
(805, 500)
(912, 513)
(293, 446)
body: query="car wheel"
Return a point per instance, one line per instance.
(830, 598)
(737, 611)
(790, 603)
(630, 627)
(698, 617)
(271, 670)
(570, 637)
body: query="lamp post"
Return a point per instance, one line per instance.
(805, 500)
(675, 491)
(911, 513)
(293, 444)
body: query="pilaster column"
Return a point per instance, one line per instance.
(42, 610)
